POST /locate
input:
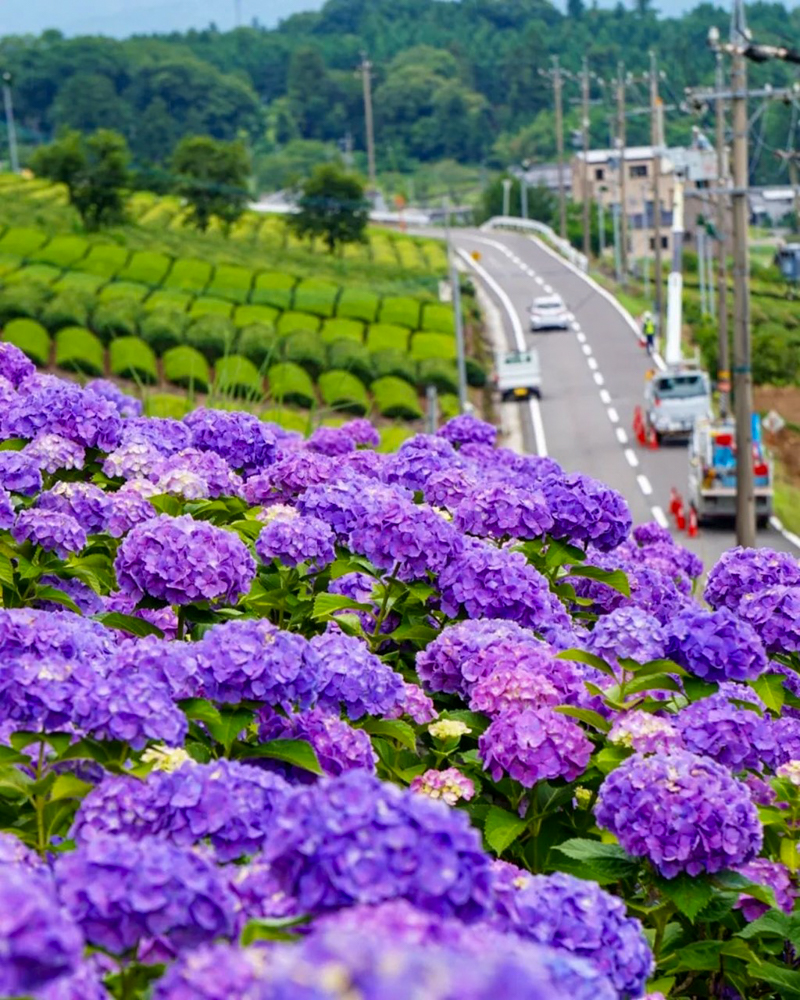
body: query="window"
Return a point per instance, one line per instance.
(679, 387)
(638, 170)
(599, 174)
(665, 242)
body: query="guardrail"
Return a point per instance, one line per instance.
(531, 225)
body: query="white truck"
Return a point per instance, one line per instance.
(712, 472)
(518, 374)
(674, 400)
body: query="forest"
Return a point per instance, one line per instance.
(460, 81)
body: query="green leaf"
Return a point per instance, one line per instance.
(44, 592)
(658, 682)
(560, 553)
(609, 758)
(201, 710)
(699, 956)
(247, 528)
(129, 623)
(769, 687)
(6, 571)
(773, 922)
(652, 667)
(502, 828)
(787, 980)
(232, 721)
(593, 719)
(271, 930)
(13, 444)
(413, 632)
(613, 578)
(477, 723)
(581, 656)
(662, 985)
(67, 786)
(690, 895)
(297, 752)
(395, 729)
(326, 605)
(590, 859)
(696, 689)
(165, 503)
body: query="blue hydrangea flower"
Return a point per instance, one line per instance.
(500, 511)
(63, 408)
(15, 365)
(19, 473)
(715, 645)
(355, 678)
(774, 613)
(126, 406)
(585, 510)
(294, 538)
(742, 572)
(7, 514)
(465, 429)
(339, 747)
(244, 441)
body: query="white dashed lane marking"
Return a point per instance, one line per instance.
(630, 457)
(622, 437)
(644, 485)
(613, 416)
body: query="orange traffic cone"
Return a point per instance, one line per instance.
(674, 501)
(652, 440)
(680, 517)
(692, 528)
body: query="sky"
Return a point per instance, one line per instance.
(126, 17)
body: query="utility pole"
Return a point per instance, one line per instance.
(523, 196)
(601, 225)
(562, 194)
(623, 201)
(742, 346)
(701, 270)
(13, 155)
(587, 244)
(366, 76)
(507, 182)
(723, 349)
(461, 362)
(655, 110)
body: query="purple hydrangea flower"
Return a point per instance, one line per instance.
(513, 686)
(87, 503)
(500, 511)
(338, 746)
(121, 891)
(360, 587)
(682, 812)
(784, 742)
(84, 984)
(40, 941)
(534, 744)
(368, 464)
(343, 503)
(179, 561)
(166, 435)
(19, 473)
(224, 972)
(627, 633)
(466, 429)
(247, 660)
(41, 635)
(739, 738)
(576, 916)
(196, 474)
(449, 487)
(126, 509)
(164, 618)
(585, 510)
(13, 852)
(419, 457)
(88, 601)
(63, 408)
(331, 441)
(292, 538)
(7, 514)
(741, 572)
(50, 529)
(355, 678)
(487, 582)
(397, 845)
(126, 406)
(243, 440)
(404, 539)
(362, 432)
(715, 645)
(132, 460)
(645, 733)
(773, 875)
(15, 365)
(449, 785)
(416, 705)
(290, 476)
(774, 614)
(173, 663)
(52, 453)
(228, 803)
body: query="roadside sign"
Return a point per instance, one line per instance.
(773, 422)
(445, 291)
(476, 255)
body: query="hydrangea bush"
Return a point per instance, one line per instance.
(297, 720)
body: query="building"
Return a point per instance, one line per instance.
(697, 166)
(545, 175)
(770, 206)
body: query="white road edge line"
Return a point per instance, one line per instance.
(644, 485)
(790, 536)
(659, 517)
(630, 458)
(519, 340)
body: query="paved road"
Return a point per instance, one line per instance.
(593, 377)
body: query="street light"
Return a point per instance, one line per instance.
(12, 132)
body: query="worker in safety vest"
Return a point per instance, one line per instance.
(649, 331)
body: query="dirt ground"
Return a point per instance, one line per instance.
(786, 444)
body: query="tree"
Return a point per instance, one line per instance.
(213, 177)
(332, 206)
(95, 171)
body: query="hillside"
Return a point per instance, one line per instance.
(257, 317)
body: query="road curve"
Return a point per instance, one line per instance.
(592, 380)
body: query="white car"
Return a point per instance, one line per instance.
(549, 313)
